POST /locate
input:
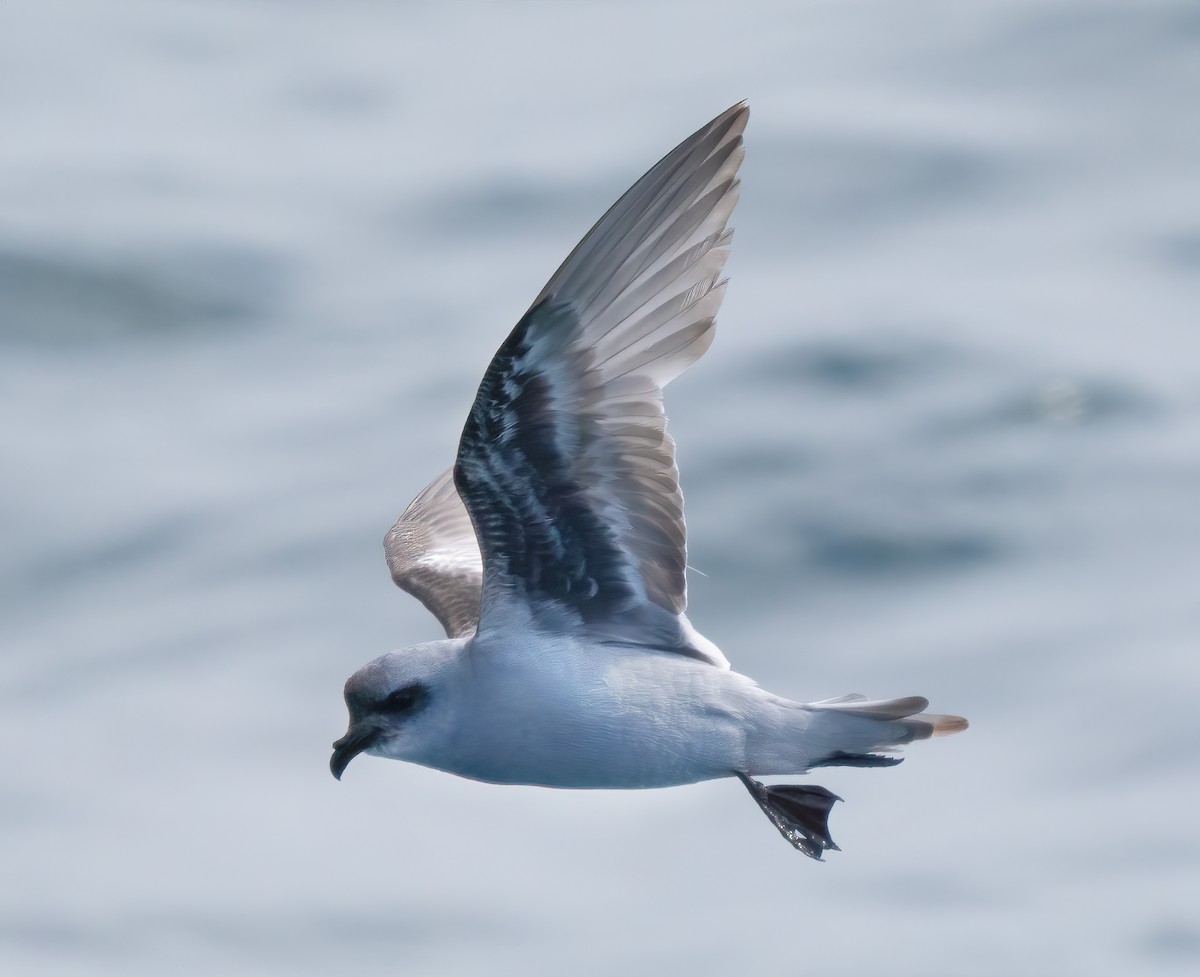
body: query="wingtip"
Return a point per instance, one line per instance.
(732, 121)
(738, 114)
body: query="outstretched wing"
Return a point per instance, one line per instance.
(432, 553)
(564, 464)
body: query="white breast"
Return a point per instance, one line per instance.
(580, 715)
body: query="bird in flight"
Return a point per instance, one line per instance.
(553, 552)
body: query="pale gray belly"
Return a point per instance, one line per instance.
(632, 724)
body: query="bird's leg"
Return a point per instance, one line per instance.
(800, 813)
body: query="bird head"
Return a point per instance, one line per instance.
(390, 701)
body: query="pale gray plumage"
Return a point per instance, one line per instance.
(554, 553)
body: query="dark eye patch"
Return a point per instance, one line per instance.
(405, 700)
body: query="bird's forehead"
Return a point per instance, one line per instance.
(366, 686)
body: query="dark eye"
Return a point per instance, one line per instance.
(405, 700)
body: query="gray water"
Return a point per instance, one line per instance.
(255, 256)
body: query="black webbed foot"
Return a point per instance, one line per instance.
(800, 813)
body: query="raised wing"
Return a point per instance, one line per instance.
(432, 553)
(564, 464)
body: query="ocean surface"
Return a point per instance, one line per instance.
(254, 258)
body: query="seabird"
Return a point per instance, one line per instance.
(553, 552)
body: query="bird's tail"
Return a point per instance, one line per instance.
(850, 731)
(855, 731)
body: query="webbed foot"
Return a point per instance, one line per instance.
(800, 813)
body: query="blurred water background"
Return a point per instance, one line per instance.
(254, 257)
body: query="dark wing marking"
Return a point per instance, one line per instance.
(564, 463)
(432, 553)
